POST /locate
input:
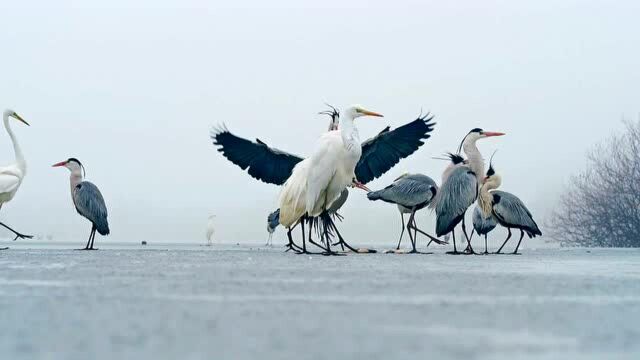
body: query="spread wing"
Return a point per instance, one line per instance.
(382, 152)
(264, 163)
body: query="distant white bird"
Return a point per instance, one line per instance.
(506, 208)
(87, 199)
(211, 230)
(11, 175)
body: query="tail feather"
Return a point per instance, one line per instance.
(102, 227)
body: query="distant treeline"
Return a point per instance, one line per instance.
(601, 205)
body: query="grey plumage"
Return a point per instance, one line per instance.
(481, 224)
(273, 220)
(454, 198)
(410, 193)
(414, 190)
(89, 203)
(511, 212)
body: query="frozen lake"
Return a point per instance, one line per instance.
(234, 302)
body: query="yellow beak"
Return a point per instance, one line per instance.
(370, 113)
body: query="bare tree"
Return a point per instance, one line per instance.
(601, 207)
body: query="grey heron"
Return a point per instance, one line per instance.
(459, 188)
(410, 192)
(379, 154)
(508, 210)
(11, 175)
(87, 200)
(482, 225)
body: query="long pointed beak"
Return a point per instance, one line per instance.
(61, 163)
(360, 185)
(371, 113)
(20, 118)
(492, 133)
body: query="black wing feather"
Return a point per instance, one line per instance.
(264, 163)
(382, 152)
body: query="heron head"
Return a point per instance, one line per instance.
(356, 111)
(476, 134)
(10, 113)
(335, 117)
(492, 180)
(72, 164)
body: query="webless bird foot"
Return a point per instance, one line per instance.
(485, 252)
(516, 253)
(454, 253)
(22, 236)
(439, 242)
(5, 248)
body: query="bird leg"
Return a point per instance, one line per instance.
(505, 242)
(291, 246)
(412, 237)
(470, 238)
(342, 242)
(18, 235)
(485, 245)
(469, 249)
(432, 239)
(401, 232)
(455, 251)
(304, 241)
(93, 237)
(515, 252)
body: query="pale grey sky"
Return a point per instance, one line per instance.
(132, 88)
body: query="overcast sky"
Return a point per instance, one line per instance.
(132, 91)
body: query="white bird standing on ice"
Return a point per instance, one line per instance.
(11, 175)
(87, 199)
(211, 230)
(319, 179)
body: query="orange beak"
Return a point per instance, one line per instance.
(61, 163)
(371, 113)
(491, 133)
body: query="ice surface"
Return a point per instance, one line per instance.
(235, 302)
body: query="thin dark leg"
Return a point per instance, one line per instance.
(18, 235)
(414, 226)
(93, 237)
(341, 240)
(412, 238)
(401, 232)
(453, 235)
(505, 242)
(304, 241)
(485, 244)
(515, 252)
(469, 249)
(89, 241)
(291, 245)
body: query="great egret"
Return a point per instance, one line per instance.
(507, 209)
(379, 154)
(319, 179)
(87, 199)
(11, 175)
(460, 187)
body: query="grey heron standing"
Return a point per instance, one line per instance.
(483, 226)
(508, 210)
(459, 188)
(379, 154)
(273, 220)
(411, 192)
(11, 175)
(87, 199)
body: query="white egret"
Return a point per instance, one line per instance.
(211, 230)
(11, 175)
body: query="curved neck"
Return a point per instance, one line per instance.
(476, 162)
(485, 201)
(16, 147)
(348, 131)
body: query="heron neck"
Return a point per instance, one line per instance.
(16, 147)
(476, 162)
(349, 132)
(75, 178)
(485, 200)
